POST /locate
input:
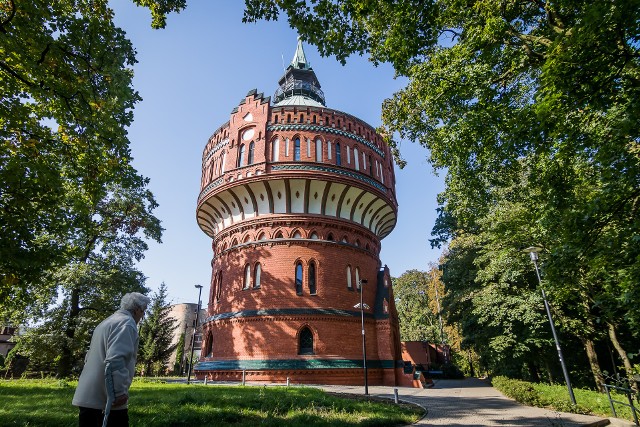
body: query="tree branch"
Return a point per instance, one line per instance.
(9, 18)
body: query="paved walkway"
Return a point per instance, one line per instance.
(472, 402)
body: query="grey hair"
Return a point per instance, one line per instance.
(134, 300)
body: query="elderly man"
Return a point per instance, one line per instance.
(110, 365)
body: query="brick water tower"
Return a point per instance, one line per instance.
(296, 198)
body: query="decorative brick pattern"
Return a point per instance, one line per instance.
(278, 213)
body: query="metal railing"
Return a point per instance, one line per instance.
(629, 393)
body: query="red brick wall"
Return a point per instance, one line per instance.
(237, 245)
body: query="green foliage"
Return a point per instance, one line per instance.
(156, 404)
(156, 334)
(416, 306)
(177, 367)
(520, 391)
(532, 110)
(557, 397)
(65, 162)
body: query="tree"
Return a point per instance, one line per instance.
(537, 96)
(177, 366)
(67, 99)
(418, 322)
(60, 339)
(156, 334)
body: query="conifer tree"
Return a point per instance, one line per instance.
(156, 333)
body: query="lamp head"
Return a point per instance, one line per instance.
(198, 286)
(533, 252)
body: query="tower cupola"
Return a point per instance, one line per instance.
(299, 84)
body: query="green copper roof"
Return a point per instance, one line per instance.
(299, 60)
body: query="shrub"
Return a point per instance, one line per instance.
(518, 390)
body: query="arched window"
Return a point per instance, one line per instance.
(314, 236)
(224, 158)
(330, 237)
(312, 278)
(240, 156)
(262, 236)
(208, 349)
(219, 288)
(252, 148)
(358, 278)
(297, 235)
(257, 272)
(370, 166)
(275, 150)
(299, 276)
(318, 150)
(349, 285)
(296, 149)
(306, 341)
(279, 235)
(355, 159)
(338, 154)
(247, 277)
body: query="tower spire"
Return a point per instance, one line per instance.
(299, 60)
(299, 84)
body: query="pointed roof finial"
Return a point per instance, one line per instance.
(299, 60)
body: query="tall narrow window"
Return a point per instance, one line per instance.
(224, 158)
(252, 147)
(247, 277)
(318, 150)
(208, 349)
(240, 156)
(299, 278)
(329, 150)
(306, 341)
(370, 166)
(338, 155)
(312, 278)
(355, 158)
(348, 155)
(358, 278)
(349, 285)
(275, 150)
(257, 272)
(219, 286)
(296, 149)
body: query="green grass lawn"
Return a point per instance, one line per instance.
(557, 397)
(48, 403)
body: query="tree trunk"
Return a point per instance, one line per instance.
(549, 373)
(623, 355)
(65, 365)
(590, 348)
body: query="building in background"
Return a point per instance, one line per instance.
(6, 344)
(296, 197)
(185, 315)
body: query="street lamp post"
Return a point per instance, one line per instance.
(193, 336)
(362, 306)
(533, 253)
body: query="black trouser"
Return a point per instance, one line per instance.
(90, 417)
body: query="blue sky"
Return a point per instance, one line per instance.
(191, 75)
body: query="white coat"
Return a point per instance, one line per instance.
(114, 340)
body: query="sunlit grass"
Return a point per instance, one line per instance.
(557, 397)
(48, 403)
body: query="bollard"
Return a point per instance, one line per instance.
(244, 374)
(205, 380)
(287, 381)
(395, 395)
